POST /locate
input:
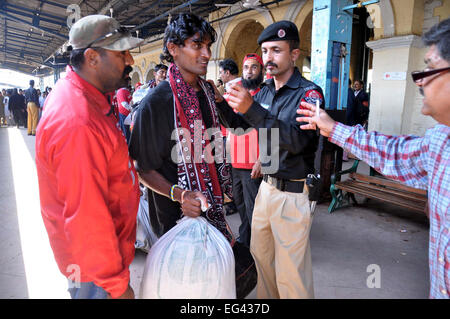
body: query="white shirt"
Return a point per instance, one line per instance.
(41, 101)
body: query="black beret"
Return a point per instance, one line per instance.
(278, 31)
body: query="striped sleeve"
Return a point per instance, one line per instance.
(402, 158)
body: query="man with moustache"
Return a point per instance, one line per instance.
(282, 214)
(173, 122)
(89, 190)
(421, 162)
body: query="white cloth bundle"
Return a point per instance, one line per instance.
(192, 260)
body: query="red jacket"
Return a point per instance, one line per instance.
(244, 149)
(123, 98)
(89, 190)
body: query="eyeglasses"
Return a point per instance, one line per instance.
(419, 75)
(121, 30)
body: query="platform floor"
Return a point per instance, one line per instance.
(347, 246)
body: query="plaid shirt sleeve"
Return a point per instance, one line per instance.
(421, 162)
(402, 158)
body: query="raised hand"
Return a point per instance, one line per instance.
(315, 119)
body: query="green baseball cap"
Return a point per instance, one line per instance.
(100, 31)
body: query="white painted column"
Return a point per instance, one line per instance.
(395, 100)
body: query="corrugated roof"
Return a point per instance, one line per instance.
(32, 31)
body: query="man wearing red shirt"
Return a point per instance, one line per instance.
(245, 152)
(123, 100)
(88, 186)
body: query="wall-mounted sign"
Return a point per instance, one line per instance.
(394, 76)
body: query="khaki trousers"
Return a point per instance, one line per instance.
(33, 115)
(280, 244)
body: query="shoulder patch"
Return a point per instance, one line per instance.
(311, 96)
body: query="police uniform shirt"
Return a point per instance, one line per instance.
(273, 109)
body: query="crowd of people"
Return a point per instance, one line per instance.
(15, 109)
(173, 137)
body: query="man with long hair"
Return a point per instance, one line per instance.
(176, 125)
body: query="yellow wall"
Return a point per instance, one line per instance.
(443, 11)
(408, 16)
(395, 106)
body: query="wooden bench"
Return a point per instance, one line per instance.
(376, 187)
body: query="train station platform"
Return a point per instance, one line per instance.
(349, 247)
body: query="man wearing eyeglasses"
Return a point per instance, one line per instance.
(159, 74)
(88, 186)
(421, 162)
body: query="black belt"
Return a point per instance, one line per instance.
(285, 185)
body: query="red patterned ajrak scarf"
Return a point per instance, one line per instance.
(197, 169)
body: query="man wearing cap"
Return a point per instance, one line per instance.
(88, 186)
(282, 214)
(244, 151)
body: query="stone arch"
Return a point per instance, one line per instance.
(227, 26)
(136, 76)
(387, 16)
(294, 9)
(303, 21)
(243, 40)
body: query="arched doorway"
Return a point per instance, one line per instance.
(361, 56)
(135, 78)
(243, 40)
(304, 61)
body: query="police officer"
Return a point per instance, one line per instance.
(282, 215)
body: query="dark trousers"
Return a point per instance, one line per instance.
(125, 128)
(245, 190)
(19, 117)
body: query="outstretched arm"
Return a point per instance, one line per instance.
(403, 158)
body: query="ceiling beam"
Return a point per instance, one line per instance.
(22, 45)
(34, 12)
(34, 15)
(29, 59)
(55, 4)
(162, 16)
(45, 38)
(155, 3)
(23, 37)
(7, 49)
(18, 20)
